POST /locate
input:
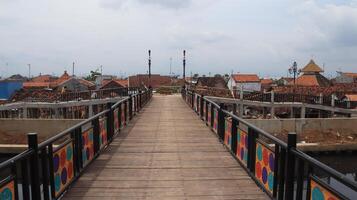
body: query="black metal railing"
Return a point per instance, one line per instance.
(47, 170)
(278, 167)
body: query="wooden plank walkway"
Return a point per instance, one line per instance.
(165, 153)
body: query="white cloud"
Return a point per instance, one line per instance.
(248, 36)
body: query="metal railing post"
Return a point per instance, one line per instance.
(96, 135)
(201, 107)
(220, 128)
(110, 122)
(34, 166)
(140, 100)
(130, 107)
(252, 140)
(290, 167)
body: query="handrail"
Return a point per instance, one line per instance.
(334, 173)
(261, 131)
(283, 156)
(212, 102)
(67, 131)
(16, 158)
(39, 159)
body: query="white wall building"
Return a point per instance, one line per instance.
(248, 82)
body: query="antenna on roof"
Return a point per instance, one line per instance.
(29, 70)
(170, 65)
(73, 69)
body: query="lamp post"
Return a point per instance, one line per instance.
(294, 70)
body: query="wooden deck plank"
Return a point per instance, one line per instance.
(166, 152)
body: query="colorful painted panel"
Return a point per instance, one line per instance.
(227, 132)
(122, 124)
(242, 146)
(63, 167)
(103, 135)
(215, 120)
(264, 166)
(87, 146)
(7, 191)
(116, 120)
(318, 192)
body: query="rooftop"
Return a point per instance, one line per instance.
(243, 78)
(312, 67)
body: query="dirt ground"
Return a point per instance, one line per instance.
(326, 137)
(9, 138)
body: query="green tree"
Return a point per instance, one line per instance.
(92, 75)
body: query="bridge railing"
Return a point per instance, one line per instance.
(46, 170)
(278, 167)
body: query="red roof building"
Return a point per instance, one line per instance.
(246, 82)
(110, 84)
(143, 80)
(311, 76)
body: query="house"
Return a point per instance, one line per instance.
(284, 81)
(118, 83)
(346, 77)
(75, 84)
(100, 79)
(40, 82)
(351, 100)
(311, 76)
(248, 82)
(212, 82)
(155, 81)
(266, 84)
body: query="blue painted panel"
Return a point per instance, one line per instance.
(7, 88)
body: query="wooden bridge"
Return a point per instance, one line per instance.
(166, 153)
(167, 147)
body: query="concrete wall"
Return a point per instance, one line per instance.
(15, 130)
(300, 125)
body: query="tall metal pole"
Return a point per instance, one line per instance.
(184, 64)
(149, 68)
(149, 63)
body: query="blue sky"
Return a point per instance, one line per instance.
(247, 36)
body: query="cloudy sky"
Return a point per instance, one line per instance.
(256, 36)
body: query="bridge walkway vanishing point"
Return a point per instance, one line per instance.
(166, 152)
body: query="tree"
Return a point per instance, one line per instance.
(217, 75)
(92, 75)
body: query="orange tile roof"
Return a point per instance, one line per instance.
(42, 78)
(31, 84)
(85, 82)
(312, 67)
(351, 97)
(123, 83)
(266, 81)
(352, 75)
(63, 78)
(242, 78)
(306, 80)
